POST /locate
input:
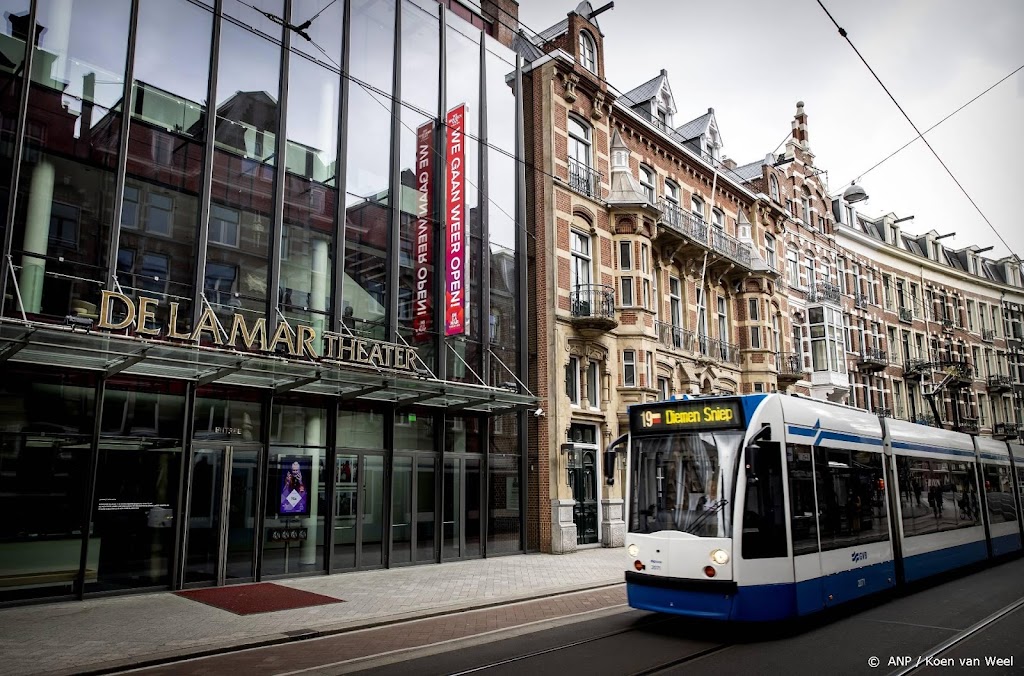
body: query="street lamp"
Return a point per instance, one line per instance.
(854, 193)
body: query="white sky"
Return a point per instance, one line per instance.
(752, 60)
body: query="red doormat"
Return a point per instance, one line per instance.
(263, 597)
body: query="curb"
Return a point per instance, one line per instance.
(171, 657)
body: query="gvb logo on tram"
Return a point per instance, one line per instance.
(763, 507)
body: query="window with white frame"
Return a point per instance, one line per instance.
(718, 219)
(805, 208)
(629, 368)
(723, 321)
(626, 298)
(827, 353)
(645, 254)
(159, 214)
(572, 380)
(773, 187)
(769, 252)
(793, 266)
(675, 302)
(755, 337)
(647, 183)
(649, 370)
(753, 310)
(581, 260)
(625, 255)
(592, 385)
(588, 52)
(697, 208)
(647, 292)
(663, 389)
(223, 226)
(579, 143)
(776, 334)
(672, 192)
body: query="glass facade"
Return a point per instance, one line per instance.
(288, 178)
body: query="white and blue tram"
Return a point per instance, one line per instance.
(766, 507)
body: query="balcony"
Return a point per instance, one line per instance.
(948, 325)
(924, 419)
(860, 300)
(675, 337)
(988, 335)
(823, 292)
(584, 180)
(695, 230)
(969, 425)
(999, 383)
(914, 369)
(906, 315)
(593, 308)
(790, 368)
(1005, 431)
(961, 371)
(883, 412)
(873, 359)
(718, 350)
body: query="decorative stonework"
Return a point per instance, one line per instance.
(569, 82)
(563, 529)
(597, 112)
(613, 527)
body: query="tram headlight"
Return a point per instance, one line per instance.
(720, 556)
(633, 550)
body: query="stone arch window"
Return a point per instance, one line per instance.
(773, 187)
(588, 51)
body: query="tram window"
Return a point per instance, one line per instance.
(998, 492)
(764, 525)
(851, 498)
(801, 499)
(936, 495)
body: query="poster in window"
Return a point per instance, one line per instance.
(295, 475)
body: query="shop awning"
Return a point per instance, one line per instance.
(28, 343)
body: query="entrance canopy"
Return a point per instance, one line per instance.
(57, 346)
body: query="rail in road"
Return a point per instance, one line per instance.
(954, 627)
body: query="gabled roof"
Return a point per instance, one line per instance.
(584, 9)
(749, 172)
(644, 92)
(526, 47)
(957, 259)
(993, 271)
(698, 127)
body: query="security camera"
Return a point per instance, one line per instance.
(538, 413)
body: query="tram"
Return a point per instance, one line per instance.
(766, 507)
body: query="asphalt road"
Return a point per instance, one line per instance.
(594, 632)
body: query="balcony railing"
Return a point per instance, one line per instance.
(883, 412)
(860, 300)
(719, 350)
(790, 366)
(594, 301)
(924, 419)
(872, 359)
(584, 180)
(948, 325)
(823, 292)
(988, 335)
(962, 372)
(695, 228)
(675, 337)
(999, 383)
(1005, 430)
(906, 315)
(969, 425)
(915, 368)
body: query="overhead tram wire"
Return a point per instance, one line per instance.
(920, 134)
(905, 145)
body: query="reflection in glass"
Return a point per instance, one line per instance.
(13, 29)
(160, 209)
(65, 193)
(401, 510)
(346, 510)
(243, 174)
(425, 532)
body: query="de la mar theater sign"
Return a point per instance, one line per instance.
(300, 341)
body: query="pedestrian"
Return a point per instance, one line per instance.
(931, 501)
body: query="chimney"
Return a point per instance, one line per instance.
(728, 163)
(800, 125)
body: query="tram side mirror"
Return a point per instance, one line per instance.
(762, 440)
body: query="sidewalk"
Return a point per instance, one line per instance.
(129, 630)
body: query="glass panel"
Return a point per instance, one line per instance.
(414, 430)
(367, 174)
(425, 535)
(452, 516)
(13, 29)
(218, 417)
(950, 490)
(471, 513)
(998, 494)
(801, 499)
(204, 516)
(503, 516)
(401, 511)
(311, 186)
(346, 506)
(46, 431)
(298, 424)
(65, 194)
(243, 174)
(296, 491)
(241, 536)
(360, 429)
(371, 546)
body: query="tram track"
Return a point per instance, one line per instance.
(927, 660)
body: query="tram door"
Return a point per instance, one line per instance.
(803, 507)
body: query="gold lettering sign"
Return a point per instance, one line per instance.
(119, 312)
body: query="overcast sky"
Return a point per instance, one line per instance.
(752, 60)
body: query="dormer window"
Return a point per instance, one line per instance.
(588, 52)
(647, 181)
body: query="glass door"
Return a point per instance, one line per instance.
(412, 509)
(583, 478)
(358, 511)
(461, 526)
(220, 536)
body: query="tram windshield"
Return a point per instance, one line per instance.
(683, 482)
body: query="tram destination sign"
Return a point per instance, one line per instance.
(685, 416)
(255, 335)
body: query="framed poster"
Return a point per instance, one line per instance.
(296, 472)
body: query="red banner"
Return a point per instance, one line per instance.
(423, 306)
(456, 272)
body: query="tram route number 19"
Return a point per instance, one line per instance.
(708, 415)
